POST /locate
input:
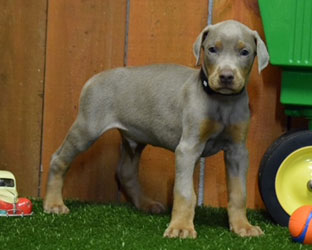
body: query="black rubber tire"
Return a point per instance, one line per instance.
(271, 161)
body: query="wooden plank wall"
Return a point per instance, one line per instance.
(22, 49)
(88, 36)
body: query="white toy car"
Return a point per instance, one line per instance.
(10, 204)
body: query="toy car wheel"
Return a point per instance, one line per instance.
(285, 175)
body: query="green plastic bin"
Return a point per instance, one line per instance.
(288, 31)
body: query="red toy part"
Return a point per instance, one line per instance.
(22, 208)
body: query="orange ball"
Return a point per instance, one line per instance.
(300, 225)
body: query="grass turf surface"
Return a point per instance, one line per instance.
(96, 226)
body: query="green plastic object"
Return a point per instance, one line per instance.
(288, 32)
(288, 29)
(296, 87)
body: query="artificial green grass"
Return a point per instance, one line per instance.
(97, 226)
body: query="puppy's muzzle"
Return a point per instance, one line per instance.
(226, 78)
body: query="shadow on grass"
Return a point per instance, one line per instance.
(217, 217)
(211, 217)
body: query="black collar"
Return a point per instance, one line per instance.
(210, 91)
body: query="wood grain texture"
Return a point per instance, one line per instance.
(84, 38)
(22, 48)
(267, 121)
(163, 31)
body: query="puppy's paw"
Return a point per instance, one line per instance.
(55, 208)
(247, 230)
(153, 207)
(179, 232)
(156, 208)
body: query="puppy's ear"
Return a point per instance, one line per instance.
(198, 44)
(262, 52)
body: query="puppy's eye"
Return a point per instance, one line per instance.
(212, 50)
(244, 52)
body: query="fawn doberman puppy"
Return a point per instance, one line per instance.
(194, 113)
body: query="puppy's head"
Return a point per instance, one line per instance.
(229, 50)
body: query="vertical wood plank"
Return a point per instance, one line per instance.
(163, 31)
(267, 121)
(22, 48)
(84, 38)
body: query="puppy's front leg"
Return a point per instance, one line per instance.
(181, 224)
(236, 157)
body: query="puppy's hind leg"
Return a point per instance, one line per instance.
(128, 176)
(78, 139)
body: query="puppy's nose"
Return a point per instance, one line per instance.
(226, 77)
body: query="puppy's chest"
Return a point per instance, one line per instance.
(218, 135)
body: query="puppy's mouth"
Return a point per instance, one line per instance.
(228, 90)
